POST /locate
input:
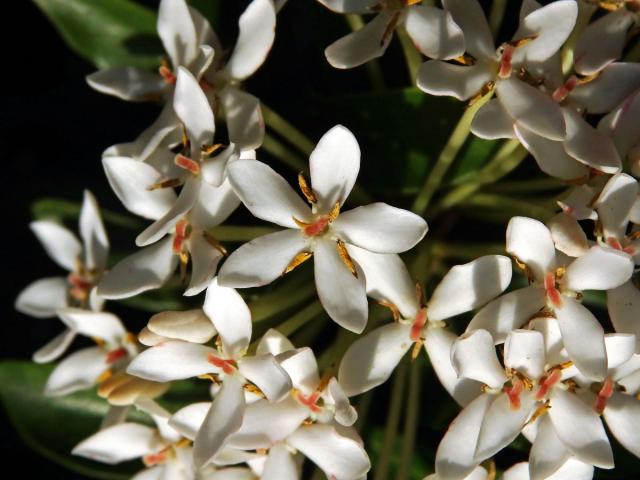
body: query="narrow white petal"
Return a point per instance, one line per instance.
(342, 295)
(144, 270)
(468, 286)
(434, 32)
(622, 415)
(43, 297)
(265, 372)
(492, 122)
(190, 325)
(334, 165)
(623, 304)
(214, 169)
(524, 351)
(262, 260)
(78, 371)
(177, 31)
(620, 348)
(345, 414)
(230, 316)
(172, 360)
(371, 359)
(548, 453)
(621, 124)
(222, 420)
(204, 261)
(243, 116)
(119, 443)
(380, 228)
(103, 325)
(188, 420)
(55, 347)
(266, 194)
(568, 235)
(302, 367)
(192, 107)
(280, 464)
(530, 241)
(473, 356)
(610, 88)
(60, 244)
(580, 429)
(273, 342)
(459, 81)
(601, 268)
(469, 16)
(614, 204)
(257, 26)
(94, 236)
(127, 83)
(350, 6)
(213, 206)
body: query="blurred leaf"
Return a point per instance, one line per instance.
(419, 466)
(107, 33)
(210, 9)
(65, 210)
(401, 133)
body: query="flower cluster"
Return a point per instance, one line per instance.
(535, 360)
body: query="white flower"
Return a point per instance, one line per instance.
(370, 360)
(556, 288)
(228, 364)
(622, 125)
(321, 231)
(572, 468)
(432, 31)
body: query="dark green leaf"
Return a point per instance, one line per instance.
(107, 33)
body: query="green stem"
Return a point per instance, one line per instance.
(508, 157)
(373, 66)
(496, 14)
(411, 54)
(447, 156)
(299, 319)
(465, 251)
(279, 300)
(286, 130)
(234, 233)
(527, 186)
(363, 406)
(508, 206)
(410, 421)
(284, 154)
(393, 418)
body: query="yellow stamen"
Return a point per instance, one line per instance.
(522, 41)
(335, 211)
(184, 260)
(250, 387)
(417, 346)
(420, 295)
(465, 59)
(172, 182)
(299, 259)
(346, 259)
(209, 150)
(301, 224)
(486, 88)
(209, 376)
(213, 241)
(104, 376)
(306, 189)
(394, 310)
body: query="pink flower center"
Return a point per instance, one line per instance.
(505, 61)
(553, 294)
(115, 355)
(227, 366)
(418, 324)
(513, 392)
(604, 394)
(548, 383)
(310, 401)
(181, 235)
(188, 164)
(155, 458)
(563, 91)
(615, 243)
(168, 76)
(318, 227)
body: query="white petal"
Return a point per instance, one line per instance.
(204, 261)
(337, 456)
(468, 286)
(43, 297)
(349, 6)
(580, 429)
(130, 180)
(266, 194)
(589, 145)
(473, 356)
(614, 204)
(230, 316)
(146, 269)
(78, 371)
(177, 31)
(243, 116)
(103, 325)
(455, 457)
(553, 345)
(190, 325)
(334, 165)
(273, 342)
(492, 122)
(551, 156)
(119, 443)
(548, 453)
(524, 351)
(55, 347)
(602, 42)
(186, 199)
(192, 107)
(173, 360)
(531, 108)
(188, 420)
(438, 343)
(262, 260)
(568, 235)
(371, 359)
(222, 420)
(469, 16)
(601, 268)
(578, 203)
(502, 424)
(280, 464)
(622, 415)
(345, 414)
(434, 32)
(572, 468)
(214, 169)
(623, 304)
(265, 372)
(127, 83)
(621, 124)
(213, 206)
(508, 312)
(459, 81)
(615, 83)
(387, 279)
(302, 367)
(60, 244)
(94, 236)
(530, 241)
(380, 228)
(620, 348)
(583, 338)
(257, 31)
(358, 47)
(342, 295)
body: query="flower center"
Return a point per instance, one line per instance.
(548, 382)
(310, 401)
(418, 324)
(605, 393)
(616, 244)
(506, 56)
(114, 355)
(513, 392)
(563, 91)
(227, 366)
(553, 294)
(182, 234)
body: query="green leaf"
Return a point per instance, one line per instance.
(107, 33)
(53, 426)
(64, 210)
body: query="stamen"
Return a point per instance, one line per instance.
(335, 211)
(420, 295)
(541, 410)
(104, 376)
(227, 366)
(417, 346)
(486, 88)
(394, 310)
(299, 259)
(306, 189)
(604, 394)
(346, 258)
(213, 241)
(209, 150)
(391, 26)
(465, 59)
(172, 182)
(553, 294)
(166, 73)
(188, 164)
(250, 387)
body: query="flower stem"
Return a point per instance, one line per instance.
(496, 14)
(234, 233)
(465, 251)
(506, 159)
(284, 154)
(447, 156)
(527, 186)
(410, 421)
(299, 319)
(393, 418)
(282, 127)
(373, 66)
(284, 297)
(411, 54)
